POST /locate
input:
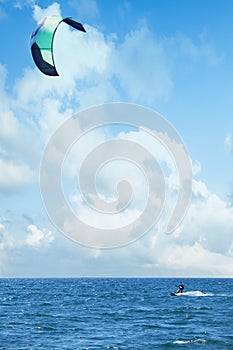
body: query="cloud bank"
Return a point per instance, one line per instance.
(100, 69)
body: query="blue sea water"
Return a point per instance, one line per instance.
(115, 313)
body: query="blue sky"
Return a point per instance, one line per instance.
(172, 56)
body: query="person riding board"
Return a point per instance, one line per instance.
(180, 289)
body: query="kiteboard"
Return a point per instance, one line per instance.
(173, 294)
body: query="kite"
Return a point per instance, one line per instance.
(42, 42)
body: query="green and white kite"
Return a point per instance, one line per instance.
(42, 42)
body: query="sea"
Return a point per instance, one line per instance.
(116, 313)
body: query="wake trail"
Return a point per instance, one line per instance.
(196, 293)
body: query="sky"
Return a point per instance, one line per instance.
(172, 57)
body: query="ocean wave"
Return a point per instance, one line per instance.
(189, 341)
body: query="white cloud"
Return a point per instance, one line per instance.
(37, 237)
(203, 245)
(112, 173)
(51, 10)
(211, 219)
(88, 59)
(19, 148)
(14, 177)
(139, 64)
(200, 189)
(195, 260)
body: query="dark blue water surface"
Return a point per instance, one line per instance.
(115, 313)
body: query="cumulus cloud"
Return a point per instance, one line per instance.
(194, 260)
(37, 237)
(51, 10)
(19, 242)
(203, 245)
(211, 220)
(111, 173)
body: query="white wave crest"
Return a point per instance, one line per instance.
(189, 341)
(196, 293)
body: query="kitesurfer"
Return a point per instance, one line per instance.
(180, 289)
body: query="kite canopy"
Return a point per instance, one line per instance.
(42, 42)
